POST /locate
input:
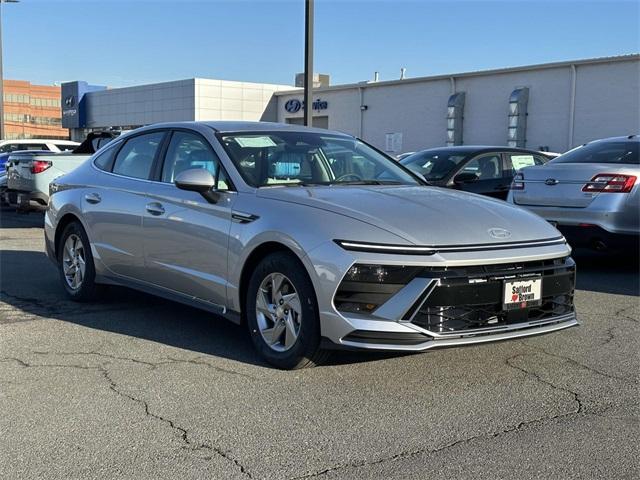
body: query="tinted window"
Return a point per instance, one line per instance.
(603, 152)
(486, 167)
(105, 159)
(135, 158)
(187, 151)
(12, 147)
(296, 158)
(433, 165)
(9, 147)
(65, 148)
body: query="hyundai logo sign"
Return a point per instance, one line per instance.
(294, 105)
(69, 101)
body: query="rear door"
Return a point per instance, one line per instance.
(561, 182)
(113, 206)
(490, 179)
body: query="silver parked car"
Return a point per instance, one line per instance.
(313, 238)
(591, 193)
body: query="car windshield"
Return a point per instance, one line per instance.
(433, 165)
(621, 152)
(309, 158)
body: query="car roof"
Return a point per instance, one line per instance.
(633, 138)
(241, 126)
(480, 148)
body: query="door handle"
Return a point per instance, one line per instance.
(155, 208)
(92, 198)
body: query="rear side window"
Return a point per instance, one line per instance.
(615, 152)
(105, 159)
(520, 160)
(135, 158)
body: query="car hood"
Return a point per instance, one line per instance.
(422, 215)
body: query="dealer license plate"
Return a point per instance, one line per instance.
(522, 293)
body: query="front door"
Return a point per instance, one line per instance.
(185, 237)
(489, 177)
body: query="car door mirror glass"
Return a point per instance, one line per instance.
(465, 177)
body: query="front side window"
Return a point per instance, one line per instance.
(486, 167)
(434, 165)
(306, 158)
(620, 152)
(135, 158)
(187, 151)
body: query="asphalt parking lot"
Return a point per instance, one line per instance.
(139, 387)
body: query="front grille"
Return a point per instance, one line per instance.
(470, 298)
(453, 319)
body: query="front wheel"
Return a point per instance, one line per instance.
(282, 314)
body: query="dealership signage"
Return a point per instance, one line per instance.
(294, 105)
(74, 104)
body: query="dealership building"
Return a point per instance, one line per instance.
(552, 106)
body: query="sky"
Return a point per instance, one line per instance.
(120, 43)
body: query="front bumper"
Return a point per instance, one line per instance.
(456, 300)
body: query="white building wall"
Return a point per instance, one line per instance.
(607, 103)
(487, 105)
(417, 110)
(227, 100)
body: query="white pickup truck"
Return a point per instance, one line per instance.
(30, 172)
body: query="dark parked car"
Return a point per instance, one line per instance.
(478, 169)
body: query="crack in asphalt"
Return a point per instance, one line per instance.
(582, 365)
(35, 307)
(151, 365)
(578, 410)
(576, 396)
(113, 386)
(428, 451)
(183, 433)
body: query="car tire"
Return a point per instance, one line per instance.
(295, 324)
(79, 287)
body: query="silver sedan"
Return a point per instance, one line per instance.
(312, 238)
(591, 193)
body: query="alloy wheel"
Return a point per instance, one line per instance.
(278, 312)
(73, 261)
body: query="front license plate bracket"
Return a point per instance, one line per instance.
(521, 293)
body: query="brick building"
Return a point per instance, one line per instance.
(32, 111)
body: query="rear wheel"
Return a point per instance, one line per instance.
(282, 313)
(75, 264)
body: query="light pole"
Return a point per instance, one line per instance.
(1, 73)
(308, 63)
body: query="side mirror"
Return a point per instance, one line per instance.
(465, 177)
(198, 180)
